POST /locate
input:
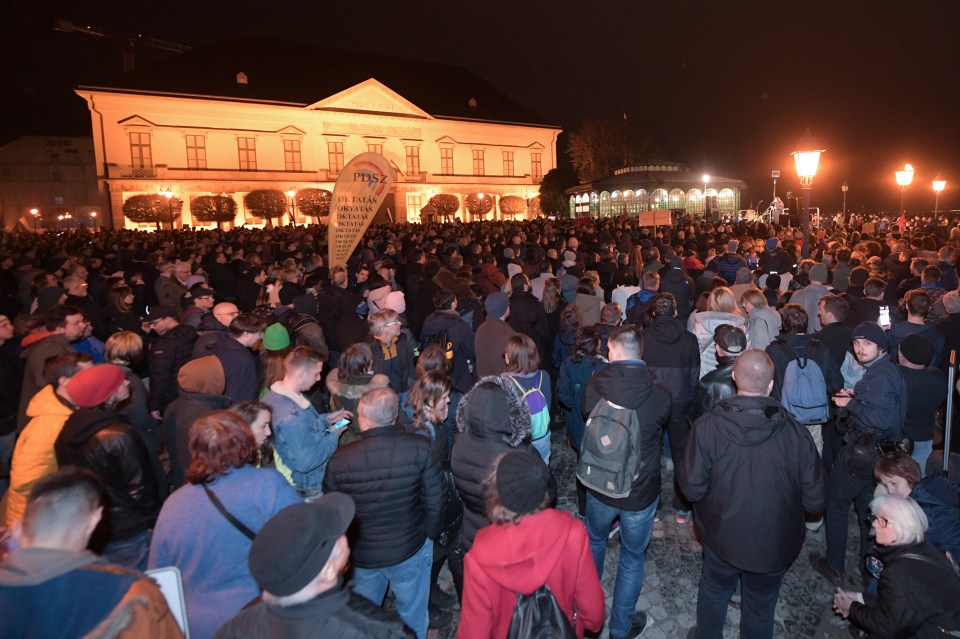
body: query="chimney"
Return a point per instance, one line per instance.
(472, 103)
(242, 78)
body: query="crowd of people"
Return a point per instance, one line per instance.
(299, 438)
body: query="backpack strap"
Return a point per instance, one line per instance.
(249, 534)
(801, 361)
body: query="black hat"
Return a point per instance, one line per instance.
(522, 481)
(288, 294)
(871, 332)
(202, 291)
(730, 338)
(157, 313)
(293, 547)
(917, 349)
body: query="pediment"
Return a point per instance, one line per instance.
(135, 120)
(371, 96)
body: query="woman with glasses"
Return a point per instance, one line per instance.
(919, 587)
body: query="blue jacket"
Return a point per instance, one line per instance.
(879, 403)
(301, 439)
(573, 378)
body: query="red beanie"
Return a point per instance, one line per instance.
(95, 385)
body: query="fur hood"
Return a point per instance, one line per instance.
(445, 278)
(355, 390)
(481, 411)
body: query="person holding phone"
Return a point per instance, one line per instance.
(303, 437)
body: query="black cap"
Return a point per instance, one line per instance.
(730, 338)
(157, 313)
(293, 547)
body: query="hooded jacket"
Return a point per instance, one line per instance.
(675, 281)
(209, 334)
(631, 384)
(171, 351)
(178, 417)
(37, 349)
(34, 457)
(763, 326)
(549, 547)
(494, 430)
(751, 472)
(673, 355)
(491, 338)
(103, 600)
(106, 444)
(463, 339)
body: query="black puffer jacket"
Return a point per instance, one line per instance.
(105, 443)
(170, 352)
(501, 430)
(674, 281)
(673, 355)
(399, 491)
(631, 384)
(914, 598)
(751, 447)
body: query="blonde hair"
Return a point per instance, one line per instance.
(123, 347)
(722, 299)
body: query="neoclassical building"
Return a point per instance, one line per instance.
(244, 114)
(656, 185)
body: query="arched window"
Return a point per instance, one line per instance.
(727, 201)
(630, 200)
(618, 204)
(677, 199)
(660, 199)
(643, 200)
(695, 202)
(574, 200)
(594, 204)
(605, 208)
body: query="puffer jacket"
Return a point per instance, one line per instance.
(915, 598)
(673, 356)
(729, 264)
(34, 457)
(398, 489)
(477, 445)
(940, 500)
(675, 281)
(752, 448)
(106, 444)
(463, 339)
(703, 325)
(37, 349)
(167, 355)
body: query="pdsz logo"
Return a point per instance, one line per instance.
(370, 178)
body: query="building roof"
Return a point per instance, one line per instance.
(303, 74)
(654, 175)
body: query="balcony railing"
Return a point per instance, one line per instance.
(130, 171)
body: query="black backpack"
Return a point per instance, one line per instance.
(440, 338)
(538, 615)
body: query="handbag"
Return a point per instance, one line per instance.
(249, 534)
(454, 517)
(859, 455)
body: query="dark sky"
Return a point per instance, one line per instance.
(726, 87)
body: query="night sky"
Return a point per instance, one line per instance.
(725, 87)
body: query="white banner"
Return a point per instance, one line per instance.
(360, 190)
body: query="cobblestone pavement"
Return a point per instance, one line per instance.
(673, 564)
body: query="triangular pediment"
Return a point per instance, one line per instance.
(371, 96)
(135, 120)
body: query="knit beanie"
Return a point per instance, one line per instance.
(95, 385)
(395, 301)
(276, 338)
(522, 481)
(917, 349)
(204, 375)
(871, 332)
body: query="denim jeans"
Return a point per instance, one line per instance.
(130, 553)
(410, 583)
(635, 530)
(759, 599)
(845, 488)
(921, 451)
(543, 447)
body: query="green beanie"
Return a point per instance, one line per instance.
(276, 338)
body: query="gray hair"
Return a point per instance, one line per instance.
(379, 320)
(378, 407)
(904, 515)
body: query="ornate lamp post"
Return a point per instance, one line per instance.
(938, 187)
(69, 218)
(844, 187)
(904, 178)
(93, 217)
(807, 159)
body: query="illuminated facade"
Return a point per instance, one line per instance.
(288, 117)
(656, 185)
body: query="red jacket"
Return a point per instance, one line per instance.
(549, 547)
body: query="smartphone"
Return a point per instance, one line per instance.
(340, 424)
(884, 320)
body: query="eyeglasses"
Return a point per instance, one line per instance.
(883, 521)
(391, 323)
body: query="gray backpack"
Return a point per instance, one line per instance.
(610, 459)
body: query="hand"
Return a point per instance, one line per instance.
(843, 397)
(842, 601)
(337, 415)
(156, 415)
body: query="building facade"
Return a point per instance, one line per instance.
(291, 119)
(656, 185)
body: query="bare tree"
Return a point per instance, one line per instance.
(600, 146)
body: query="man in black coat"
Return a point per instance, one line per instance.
(527, 316)
(337, 314)
(400, 496)
(730, 341)
(749, 446)
(460, 339)
(171, 350)
(628, 382)
(675, 281)
(298, 559)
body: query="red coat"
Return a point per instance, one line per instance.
(550, 547)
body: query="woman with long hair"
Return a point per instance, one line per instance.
(722, 308)
(193, 532)
(348, 382)
(523, 370)
(258, 416)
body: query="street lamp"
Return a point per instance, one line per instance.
(807, 159)
(93, 216)
(36, 216)
(59, 222)
(904, 178)
(293, 207)
(167, 193)
(706, 181)
(69, 219)
(844, 187)
(938, 187)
